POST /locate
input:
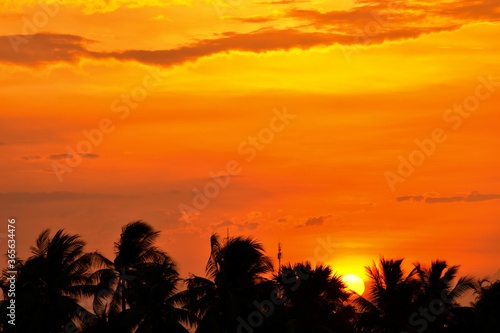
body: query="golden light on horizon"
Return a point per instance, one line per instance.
(354, 283)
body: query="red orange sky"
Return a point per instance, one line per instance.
(113, 111)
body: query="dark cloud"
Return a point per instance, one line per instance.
(473, 197)
(248, 226)
(226, 223)
(46, 48)
(259, 41)
(368, 22)
(31, 157)
(40, 49)
(485, 10)
(476, 196)
(444, 199)
(64, 156)
(59, 156)
(316, 220)
(410, 198)
(394, 14)
(89, 155)
(241, 226)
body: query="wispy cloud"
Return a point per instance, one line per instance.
(31, 157)
(88, 155)
(472, 197)
(317, 220)
(476, 196)
(247, 225)
(311, 28)
(59, 156)
(65, 156)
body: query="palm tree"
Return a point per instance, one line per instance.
(136, 292)
(315, 299)
(154, 302)
(487, 307)
(50, 283)
(133, 250)
(392, 294)
(234, 269)
(439, 295)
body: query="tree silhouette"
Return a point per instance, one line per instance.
(138, 292)
(135, 291)
(50, 283)
(153, 300)
(439, 295)
(487, 308)
(315, 298)
(234, 270)
(392, 296)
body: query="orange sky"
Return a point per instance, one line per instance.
(312, 103)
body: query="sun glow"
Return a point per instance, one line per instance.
(354, 283)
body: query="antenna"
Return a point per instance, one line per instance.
(227, 239)
(280, 255)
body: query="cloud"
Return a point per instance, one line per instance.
(51, 48)
(88, 155)
(368, 22)
(38, 49)
(476, 196)
(444, 199)
(433, 198)
(226, 223)
(410, 198)
(393, 14)
(47, 48)
(59, 156)
(31, 157)
(316, 220)
(64, 156)
(247, 225)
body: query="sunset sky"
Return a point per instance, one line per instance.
(349, 129)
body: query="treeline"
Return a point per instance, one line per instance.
(141, 291)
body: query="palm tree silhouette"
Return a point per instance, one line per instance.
(487, 307)
(154, 302)
(234, 270)
(392, 297)
(137, 288)
(315, 299)
(50, 283)
(437, 290)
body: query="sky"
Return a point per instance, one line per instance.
(344, 130)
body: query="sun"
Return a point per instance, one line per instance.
(354, 283)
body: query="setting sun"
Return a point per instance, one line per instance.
(354, 283)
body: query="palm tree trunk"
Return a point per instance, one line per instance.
(124, 303)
